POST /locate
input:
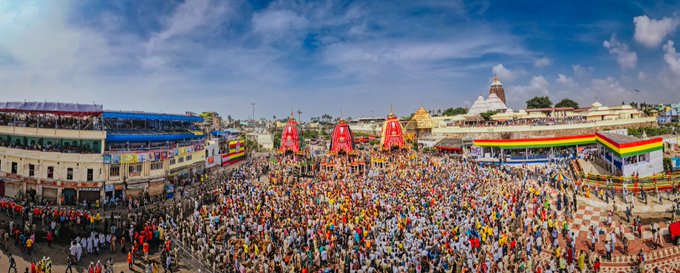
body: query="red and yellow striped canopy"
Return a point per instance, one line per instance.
(622, 150)
(536, 142)
(629, 149)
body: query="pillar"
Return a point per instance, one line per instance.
(59, 194)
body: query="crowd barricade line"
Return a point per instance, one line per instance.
(664, 182)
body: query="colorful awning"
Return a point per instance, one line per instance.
(55, 108)
(536, 142)
(620, 149)
(629, 149)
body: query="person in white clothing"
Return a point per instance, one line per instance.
(90, 243)
(79, 251)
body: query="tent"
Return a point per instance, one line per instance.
(558, 177)
(55, 108)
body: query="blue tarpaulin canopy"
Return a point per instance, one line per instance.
(56, 108)
(149, 137)
(151, 116)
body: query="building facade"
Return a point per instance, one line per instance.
(67, 153)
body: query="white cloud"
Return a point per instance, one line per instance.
(412, 58)
(671, 57)
(506, 74)
(563, 79)
(189, 16)
(581, 71)
(542, 62)
(641, 75)
(277, 22)
(608, 91)
(517, 95)
(624, 57)
(650, 32)
(538, 86)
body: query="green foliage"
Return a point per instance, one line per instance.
(667, 165)
(567, 103)
(455, 111)
(487, 115)
(277, 139)
(651, 131)
(539, 102)
(310, 134)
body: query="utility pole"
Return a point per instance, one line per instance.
(253, 104)
(299, 113)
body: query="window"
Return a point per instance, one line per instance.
(31, 170)
(188, 157)
(135, 170)
(14, 167)
(172, 161)
(180, 159)
(114, 170)
(50, 172)
(90, 174)
(156, 166)
(69, 174)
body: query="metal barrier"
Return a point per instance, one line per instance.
(189, 260)
(664, 182)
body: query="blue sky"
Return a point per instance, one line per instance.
(335, 56)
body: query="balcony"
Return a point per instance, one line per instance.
(53, 133)
(51, 156)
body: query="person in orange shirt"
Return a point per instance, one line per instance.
(146, 251)
(130, 260)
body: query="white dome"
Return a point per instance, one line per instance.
(596, 104)
(509, 111)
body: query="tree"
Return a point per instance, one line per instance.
(456, 111)
(487, 115)
(277, 139)
(539, 102)
(326, 118)
(567, 103)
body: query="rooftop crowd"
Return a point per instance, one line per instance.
(39, 120)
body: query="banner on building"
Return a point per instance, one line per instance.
(153, 156)
(128, 158)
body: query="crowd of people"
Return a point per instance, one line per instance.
(420, 213)
(541, 121)
(52, 145)
(40, 120)
(430, 214)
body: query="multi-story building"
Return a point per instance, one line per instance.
(211, 122)
(144, 150)
(65, 152)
